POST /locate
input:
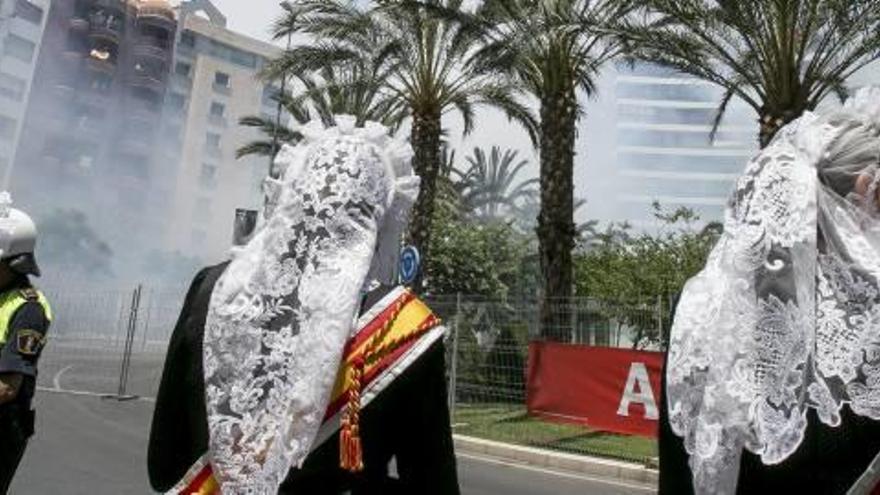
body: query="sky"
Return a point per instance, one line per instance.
(250, 17)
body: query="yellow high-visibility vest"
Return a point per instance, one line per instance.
(11, 301)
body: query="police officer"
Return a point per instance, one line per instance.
(24, 320)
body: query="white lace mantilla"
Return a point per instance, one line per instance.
(786, 314)
(281, 313)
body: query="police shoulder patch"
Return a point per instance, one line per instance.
(30, 342)
(30, 294)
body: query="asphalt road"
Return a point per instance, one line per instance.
(92, 446)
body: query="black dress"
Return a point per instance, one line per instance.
(828, 462)
(409, 421)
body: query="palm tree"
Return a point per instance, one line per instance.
(526, 214)
(450, 184)
(422, 60)
(489, 182)
(780, 57)
(322, 96)
(554, 48)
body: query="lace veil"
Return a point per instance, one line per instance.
(280, 315)
(785, 316)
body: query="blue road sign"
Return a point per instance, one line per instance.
(409, 264)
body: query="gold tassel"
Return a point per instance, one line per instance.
(351, 456)
(350, 449)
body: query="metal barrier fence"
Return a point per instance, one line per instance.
(113, 342)
(109, 341)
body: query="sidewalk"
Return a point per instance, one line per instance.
(579, 464)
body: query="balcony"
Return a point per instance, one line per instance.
(148, 81)
(74, 52)
(148, 49)
(105, 66)
(118, 6)
(107, 27)
(104, 33)
(159, 15)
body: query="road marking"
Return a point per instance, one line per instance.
(102, 395)
(56, 380)
(561, 474)
(71, 392)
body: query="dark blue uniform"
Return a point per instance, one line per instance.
(19, 355)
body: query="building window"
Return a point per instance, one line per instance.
(188, 40)
(19, 48)
(271, 95)
(677, 139)
(154, 36)
(212, 144)
(208, 176)
(221, 81)
(182, 69)
(233, 55)
(217, 110)
(213, 140)
(29, 12)
(7, 128)
(12, 87)
(667, 92)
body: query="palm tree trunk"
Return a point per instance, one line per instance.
(771, 122)
(556, 229)
(425, 140)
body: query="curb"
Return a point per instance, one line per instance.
(580, 464)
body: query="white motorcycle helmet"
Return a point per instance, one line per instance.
(18, 238)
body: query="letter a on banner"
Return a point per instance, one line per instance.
(638, 391)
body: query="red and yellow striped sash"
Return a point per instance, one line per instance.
(377, 347)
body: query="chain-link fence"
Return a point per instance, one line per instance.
(109, 341)
(113, 342)
(488, 358)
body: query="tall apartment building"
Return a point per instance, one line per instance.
(652, 144)
(133, 120)
(94, 119)
(214, 84)
(22, 23)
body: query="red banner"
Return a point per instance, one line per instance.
(607, 389)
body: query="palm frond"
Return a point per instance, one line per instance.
(780, 57)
